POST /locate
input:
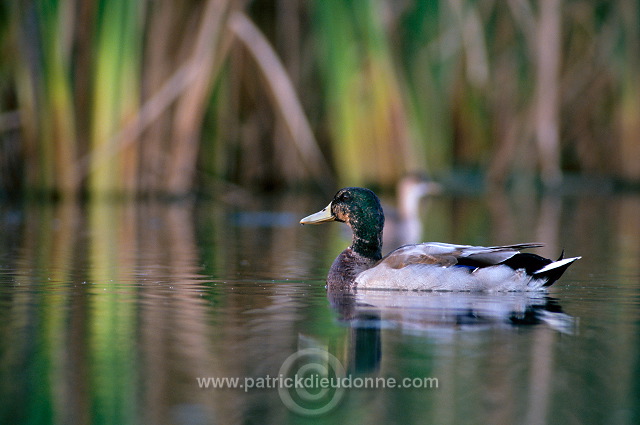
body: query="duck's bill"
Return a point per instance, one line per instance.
(321, 216)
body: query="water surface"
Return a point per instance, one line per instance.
(113, 313)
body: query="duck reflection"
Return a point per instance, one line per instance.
(437, 314)
(365, 348)
(431, 310)
(379, 320)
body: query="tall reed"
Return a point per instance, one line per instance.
(116, 96)
(181, 46)
(370, 134)
(157, 96)
(628, 63)
(44, 90)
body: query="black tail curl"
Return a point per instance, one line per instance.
(535, 265)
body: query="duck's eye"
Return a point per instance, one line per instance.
(345, 197)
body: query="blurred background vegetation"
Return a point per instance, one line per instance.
(171, 97)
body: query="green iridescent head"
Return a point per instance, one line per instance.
(359, 208)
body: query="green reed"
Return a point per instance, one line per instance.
(142, 97)
(116, 95)
(366, 110)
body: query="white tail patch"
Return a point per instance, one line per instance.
(556, 264)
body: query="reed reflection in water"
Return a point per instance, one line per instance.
(110, 311)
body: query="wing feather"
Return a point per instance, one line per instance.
(443, 254)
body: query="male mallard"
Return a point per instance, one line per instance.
(426, 266)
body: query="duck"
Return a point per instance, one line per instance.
(429, 266)
(402, 224)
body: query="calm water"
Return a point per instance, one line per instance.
(119, 313)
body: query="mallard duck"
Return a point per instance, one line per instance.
(426, 266)
(402, 224)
